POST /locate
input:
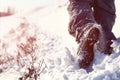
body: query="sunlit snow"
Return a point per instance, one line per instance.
(36, 38)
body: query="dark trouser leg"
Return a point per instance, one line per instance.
(82, 23)
(104, 13)
(80, 14)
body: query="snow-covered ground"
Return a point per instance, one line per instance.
(38, 38)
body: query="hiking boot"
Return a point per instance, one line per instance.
(104, 45)
(86, 45)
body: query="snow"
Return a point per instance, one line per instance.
(39, 38)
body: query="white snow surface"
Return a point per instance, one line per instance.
(41, 34)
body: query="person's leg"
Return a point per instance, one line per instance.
(80, 14)
(104, 13)
(83, 27)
